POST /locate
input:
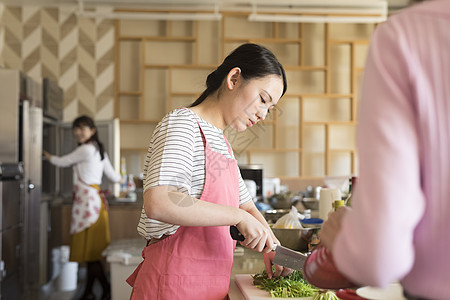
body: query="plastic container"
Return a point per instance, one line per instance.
(312, 222)
(123, 257)
(295, 239)
(67, 279)
(307, 213)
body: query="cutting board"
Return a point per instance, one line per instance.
(251, 292)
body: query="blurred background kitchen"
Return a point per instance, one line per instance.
(126, 64)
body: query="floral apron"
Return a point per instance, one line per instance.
(195, 262)
(86, 204)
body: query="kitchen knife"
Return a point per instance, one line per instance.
(283, 256)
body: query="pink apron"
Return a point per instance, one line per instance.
(195, 262)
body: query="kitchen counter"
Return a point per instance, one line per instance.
(123, 219)
(245, 262)
(66, 199)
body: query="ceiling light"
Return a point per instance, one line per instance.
(152, 16)
(336, 11)
(315, 19)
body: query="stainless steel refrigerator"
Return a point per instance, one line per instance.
(11, 226)
(21, 143)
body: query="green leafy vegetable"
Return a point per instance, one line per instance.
(325, 295)
(291, 286)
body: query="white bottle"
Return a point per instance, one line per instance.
(131, 187)
(123, 173)
(326, 200)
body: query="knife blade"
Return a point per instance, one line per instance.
(283, 256)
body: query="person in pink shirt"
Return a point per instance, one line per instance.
(398, 226)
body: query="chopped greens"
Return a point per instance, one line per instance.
(325, 295)
(291, 286)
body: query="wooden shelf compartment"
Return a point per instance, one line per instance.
(179, 66)
(270, 40)
(296, 161)
(129, 93)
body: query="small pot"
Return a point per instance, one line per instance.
(311, 203)
(273, 215)
(281, 201)
(295, 239)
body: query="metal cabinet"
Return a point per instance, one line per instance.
(11, 226)
(21, 143)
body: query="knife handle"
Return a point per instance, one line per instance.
(236, 234)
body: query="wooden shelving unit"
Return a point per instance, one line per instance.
(163, 65)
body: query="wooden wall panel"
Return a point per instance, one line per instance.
(310, 135)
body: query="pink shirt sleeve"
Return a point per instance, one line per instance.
(375, 245)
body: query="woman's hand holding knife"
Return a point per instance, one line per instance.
(256, 236)
(268, 256)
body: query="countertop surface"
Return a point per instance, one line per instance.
(245, 262)
(128, 254)
(112, 200)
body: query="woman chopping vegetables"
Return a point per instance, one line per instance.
(193, 190)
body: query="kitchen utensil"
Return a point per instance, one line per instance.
(272, 215)
(312, 223)
(281, 201)
(296, 238)
(348, 294)
(393, 291)
(283, 256)
(311, 203)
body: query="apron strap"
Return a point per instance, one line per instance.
(229, 146)
(205, 141)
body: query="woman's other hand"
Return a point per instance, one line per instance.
(279, 270)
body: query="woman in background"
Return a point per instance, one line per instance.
(193, 190)
(89, 227)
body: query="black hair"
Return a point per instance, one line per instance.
(87, 121)
(255, 61)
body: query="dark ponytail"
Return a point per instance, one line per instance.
(87, 121)
(255, 61)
